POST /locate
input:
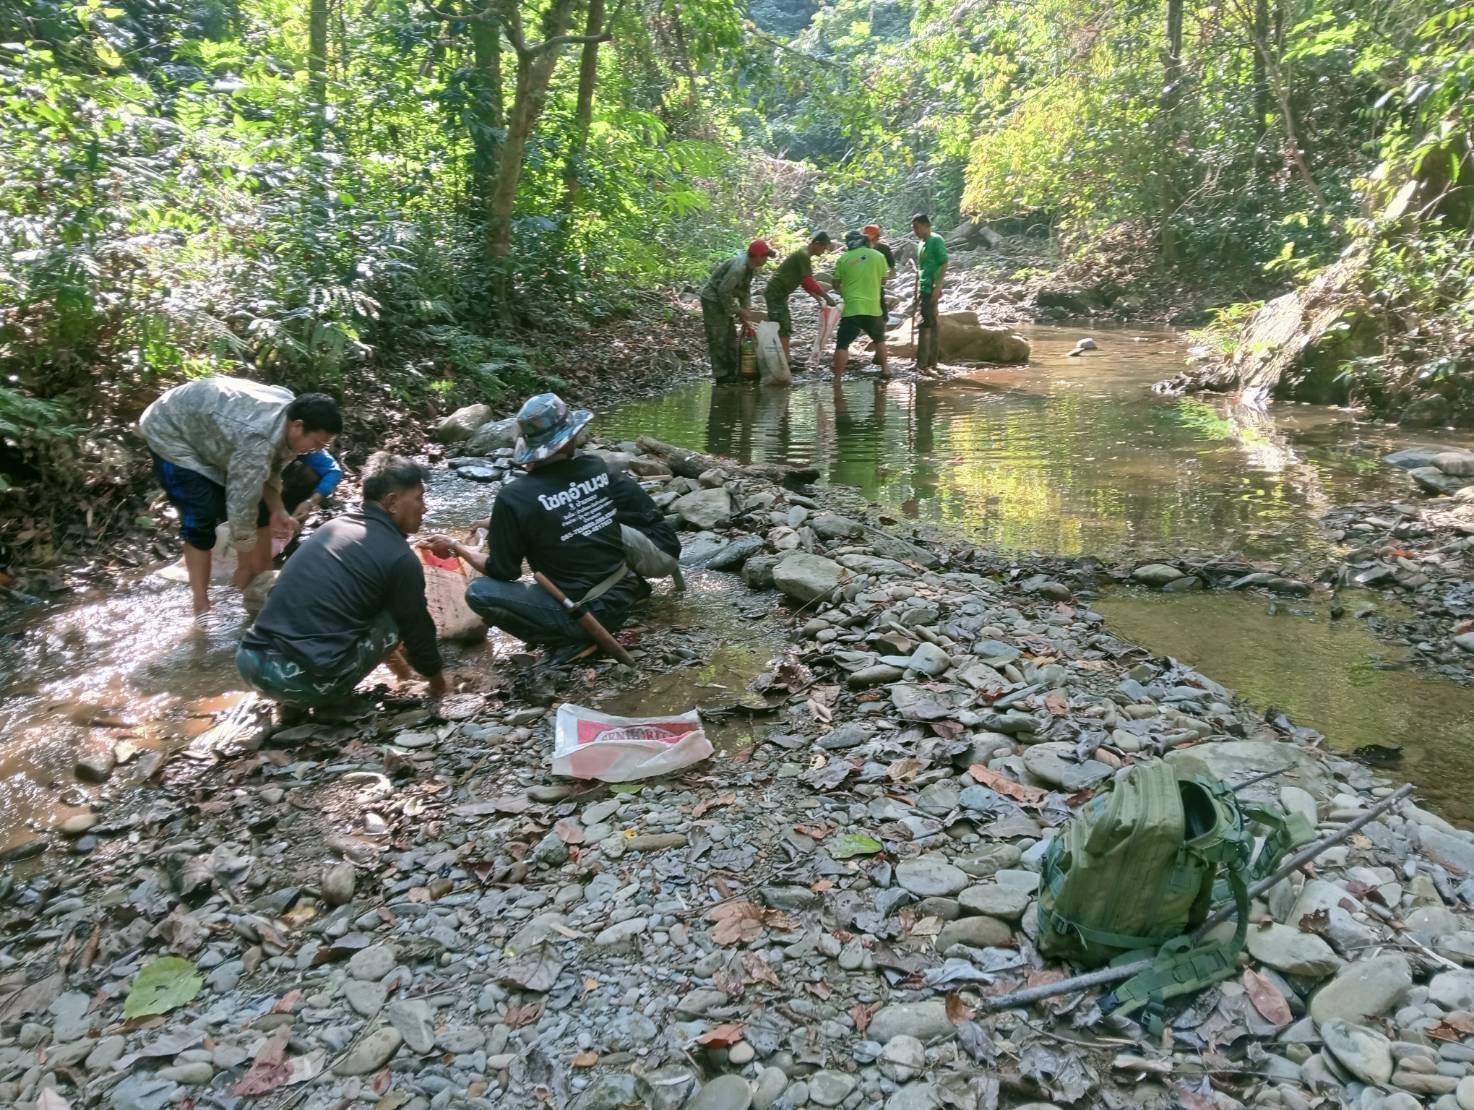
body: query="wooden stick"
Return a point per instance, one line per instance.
(1223, 913)
(588, 620)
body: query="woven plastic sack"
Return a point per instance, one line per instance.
(828, 323)
(772, 364)
(592, 745)
(445, 596)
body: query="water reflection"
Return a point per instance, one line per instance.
(1064, 455)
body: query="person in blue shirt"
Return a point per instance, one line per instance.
(307, 482)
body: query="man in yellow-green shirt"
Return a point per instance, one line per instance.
(859, 275)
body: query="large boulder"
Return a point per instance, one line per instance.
(805, 578)
(704, 508)
(462, 424)
(492, 437)
(965, 340)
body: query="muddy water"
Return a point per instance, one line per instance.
(1332, 676)
(1069, 455)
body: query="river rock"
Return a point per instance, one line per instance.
(902, 1058)
(337, 883)
(413, 1019)
(462, 424)
(1427, 411)
(757, 571)
(1292, 951)
(806, 578)
(734, 554)
(1432, 480)
(667, 1088)
(1052, 763)
(492, 437)
(929, 659)
(830, 1088)
(1410, 458)
(874, 564)
(914, 1096)
(1236, 760)
(613, 1092)
(1459, 463)
(878, 675)
(373, 962)
(1453, 990)
(995, 900)
(830, 526)
(725, 1092)
(926, 1021)
(975, 932)
(1364, 1052)
(622, 932)
(371, 1053)
(704, 508)
(95, 766)
(1453, 852)
(930, 876)
(1156, 574)
(1363, 990)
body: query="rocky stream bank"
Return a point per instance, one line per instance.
(405, 909)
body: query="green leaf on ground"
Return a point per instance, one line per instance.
(626, 788)
(855, 844)
(162, 985)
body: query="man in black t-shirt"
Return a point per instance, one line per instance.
(566, 518)
(872, 233)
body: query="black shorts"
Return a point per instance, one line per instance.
(851, 327)
(199, 502)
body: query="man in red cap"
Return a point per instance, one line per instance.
(727, 299)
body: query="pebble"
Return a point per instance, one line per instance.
(931, 875)
(412, 1018)
(725, 1092)
(830, 1088)
(926, 1021)
(373, 962)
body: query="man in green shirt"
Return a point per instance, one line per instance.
(931, 268)
(727, 299)
(795, 270)
(859, 275)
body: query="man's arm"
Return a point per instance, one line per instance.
(936, 289)
(633, 506)
(730, 292)
(504, 547)
(815, 290)
(245, 487)
(406, 604)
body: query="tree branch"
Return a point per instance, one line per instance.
(568, 40)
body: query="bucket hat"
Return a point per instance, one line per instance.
(544, 425)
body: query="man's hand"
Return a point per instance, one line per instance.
(284, 524)
(443, 546)
(304, 510)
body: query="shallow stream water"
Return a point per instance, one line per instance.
(1067, 455)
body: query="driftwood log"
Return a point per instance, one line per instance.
(693, 464)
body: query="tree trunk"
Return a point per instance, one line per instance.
(317, 67)
(583, 117)
(488, 116)
(1261, 79)
(1172, 78)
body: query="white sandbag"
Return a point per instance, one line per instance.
(772, 364)
(592, 745)
(222, 565)
(828, 321)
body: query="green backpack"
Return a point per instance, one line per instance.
(1141, 865)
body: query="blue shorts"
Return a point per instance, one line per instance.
(199, 502)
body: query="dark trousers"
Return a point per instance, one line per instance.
(721, 341)
(527, 611)
(928, 338)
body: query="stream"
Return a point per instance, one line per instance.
(1065, 455)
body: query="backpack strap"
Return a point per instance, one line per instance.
(1181, 968)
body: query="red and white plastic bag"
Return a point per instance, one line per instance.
(592, 745)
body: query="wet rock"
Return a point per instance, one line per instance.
(725, 1092)
(930, 875)
(371, 1053)
(806, 578)
(95, 766)
(829, 526)
(1292, 951)
(1363, 1052)
(704, 508)
(925, 1021)
(1363, 990)
(613, 1092)
(1432, 480)
(757, 572)
(337, 883)
(1156, 574)
(734, 554)
(77, 824)
(914, 1096)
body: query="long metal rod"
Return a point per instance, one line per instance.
(1223, 913)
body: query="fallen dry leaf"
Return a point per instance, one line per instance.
(569, 831)
(862, 1013)
(958, 1011)
(1024, 795)
(711, 803)
(1266, 998)
(586, 1059)
(721, 1036)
